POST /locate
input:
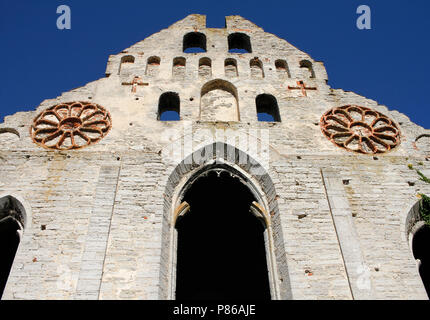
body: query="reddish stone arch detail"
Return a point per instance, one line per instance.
(71, 125)
(360, 129)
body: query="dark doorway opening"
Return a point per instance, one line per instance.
(420, 248)
(221, 250)
(10, 214)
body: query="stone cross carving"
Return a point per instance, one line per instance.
(302, 86)
(137, 81)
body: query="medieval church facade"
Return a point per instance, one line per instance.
(212, 163)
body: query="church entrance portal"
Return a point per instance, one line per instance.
(221, 249)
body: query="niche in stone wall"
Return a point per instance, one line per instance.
(169, 107)
(126, 65)
(152, 66)
(422, 143)
(307, 65)
(179, 65)
(256, 68)
(8, 136)
(282, 69)
(205, 68)
(230, 66)
(219, 102)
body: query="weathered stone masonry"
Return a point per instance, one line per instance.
(99, 185)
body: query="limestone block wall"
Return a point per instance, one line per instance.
(100, 218)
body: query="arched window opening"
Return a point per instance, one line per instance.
(282, 69)
(256, 66)
(126, 64)
(306, 64)
(169, 107)
(267, 108)
(239, 43)
(179, 67)
(12, 222)
(205, 68)
(152, 66)
(219, 102)
(420, 249)
(221, 245)
(230, 66)
(194, 42)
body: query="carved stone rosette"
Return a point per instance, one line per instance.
(360, 129)
(71, 125)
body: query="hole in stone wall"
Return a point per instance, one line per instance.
(420, 243)
(221, 250)
(346, 182)
(267, 108)
(239, 43)
(194, 42)
(169, 107)
(411, 184)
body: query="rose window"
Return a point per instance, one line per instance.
(71, 126)
(360, 129)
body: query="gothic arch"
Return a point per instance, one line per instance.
(417, 233)
(224, 157)
(14, 219)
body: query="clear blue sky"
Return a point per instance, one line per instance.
(389, 63)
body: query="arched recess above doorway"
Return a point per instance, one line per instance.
(219, 101)
(222, 157)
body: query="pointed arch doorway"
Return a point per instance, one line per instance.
(221, 251)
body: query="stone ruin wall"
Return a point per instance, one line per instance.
(97, 216)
